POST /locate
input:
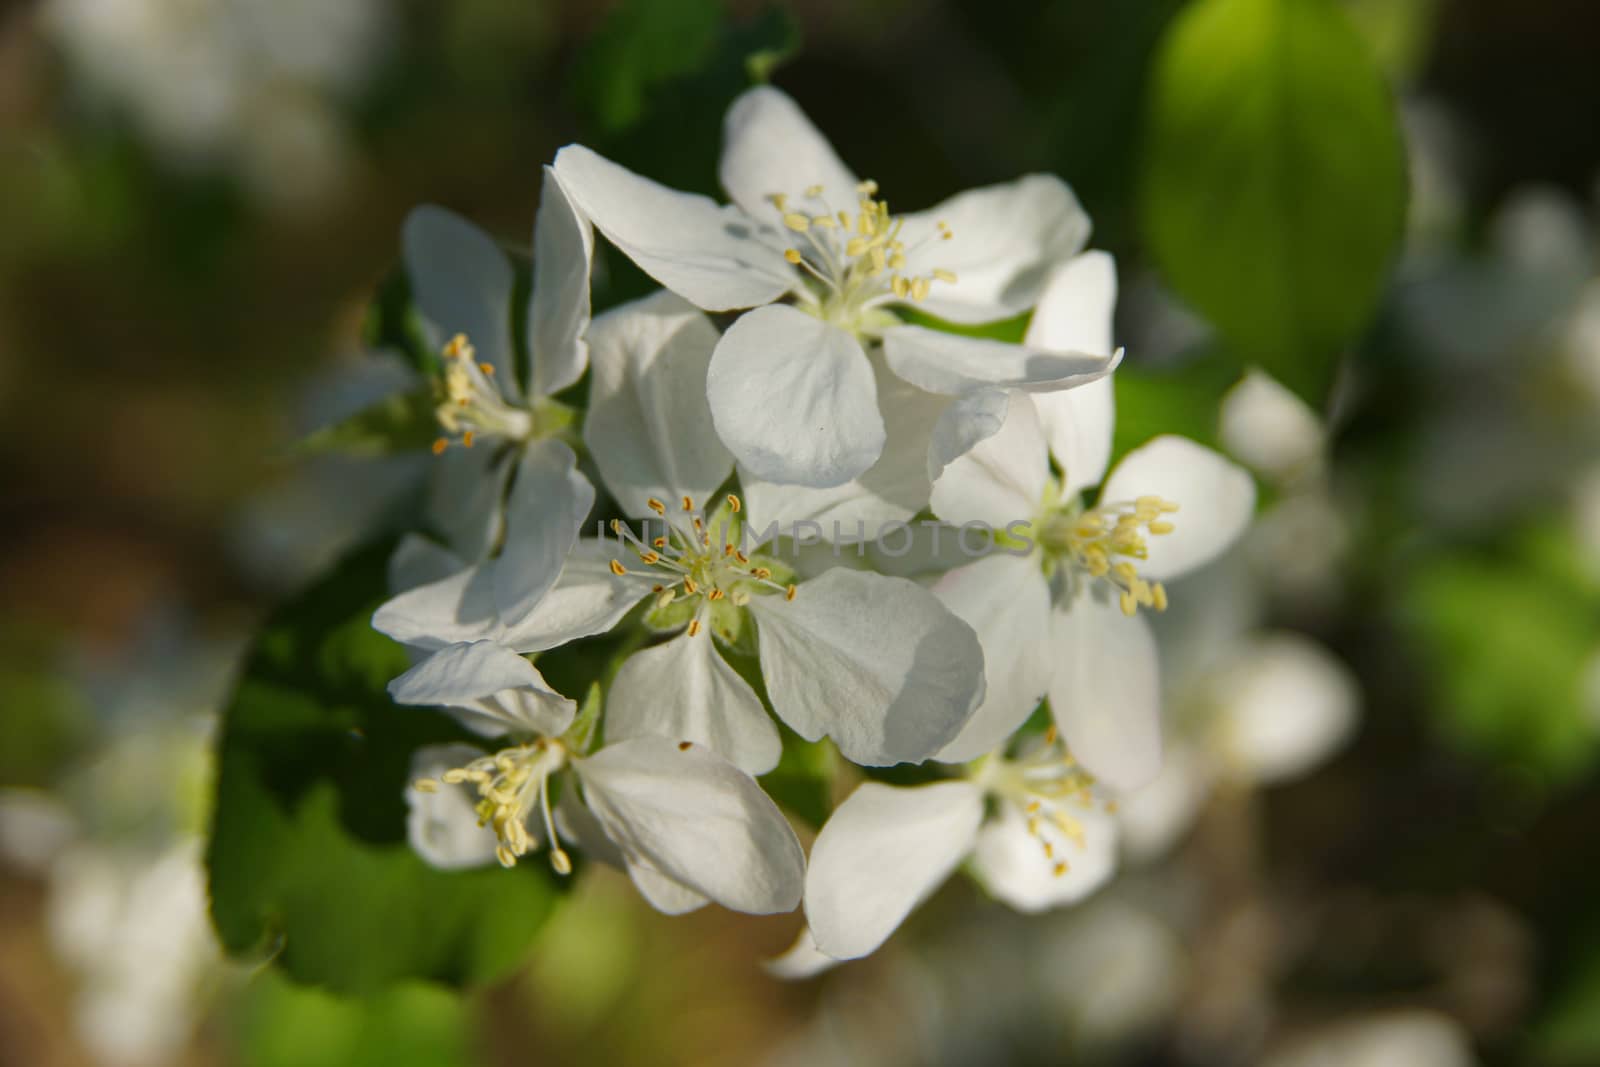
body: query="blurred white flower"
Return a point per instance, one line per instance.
(256, 86)
(1399, 1039)
(1270, 429)
(135, 929)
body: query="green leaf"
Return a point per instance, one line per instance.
(414, 1025)
(308, 854)
(1274, 183)
(401, 422)
(1505, 643)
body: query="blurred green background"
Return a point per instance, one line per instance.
(202, 196)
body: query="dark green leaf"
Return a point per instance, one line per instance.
(1274, 183)
(308, 854)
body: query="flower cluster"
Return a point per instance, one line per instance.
(835, 396)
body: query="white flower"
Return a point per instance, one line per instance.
(1273, 709)
(544, 589)
(876, 663)
(1045, 841)
(1057, 610)
(462, 288)
(792, 390)
(686, 825)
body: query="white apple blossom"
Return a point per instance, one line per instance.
(1057, 612)
(1037, 831)
(462, 289)
(793, 391)
(876, 663)
(686, 825)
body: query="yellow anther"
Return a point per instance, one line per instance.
(688, 504)
(617, 568)
(855, 246)
(822, 222)
(426, 785)
(656, 506)
(789, 594)
(779, 200)
(660, 542)
(792, 255)
(879, 259)
(715, 594)
(867, 187)
(901, 287)
(487, 368)
(665, 597)
(946, 276)
(690, 586)
(797, 222)
(454, 776)
(740, 598)
(651, 558)
(919, 289)
(466, 439)
(733, 503)
(1158, 596)
(813, 190)
(439, 445)
(561, 861)
(1060, 868)
(1161, 526)
(694, 627)
(1128, 604)
(897, 261)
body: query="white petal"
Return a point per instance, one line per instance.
(1014, 867)
(663, 893)
(490, 690)
(802, 959)
(1215, 499)
(544, 514)
(442, 826)
(1285, 705)
(684, 690)
(953, 364)
(893, 490)
(717, 258)
(998, 480)
(876, 663)
(1074, 315)
(1153, 817)
(451, 610)
(588, 599)
(1076, 307)
(418, 561)
(883, 852)
(1078, 424)
(461, 283)
(649, 427)
(1005, 240)
(1269, 427)
(466, 498)
(697, 819)
(794, 399)
(769, 146)
(1006, 601)
(1106, 692)
(558, 307)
